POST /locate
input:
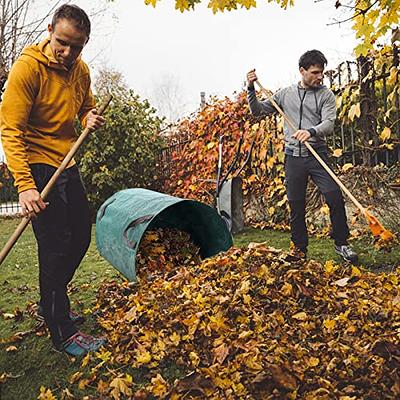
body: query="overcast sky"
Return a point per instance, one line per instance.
(212, 53)
(200, 51)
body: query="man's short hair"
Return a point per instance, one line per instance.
(312, 57)
(73, 13)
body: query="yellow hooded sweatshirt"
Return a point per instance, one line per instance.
(38, 111)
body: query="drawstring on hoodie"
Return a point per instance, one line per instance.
(301, 113)
(301, 109)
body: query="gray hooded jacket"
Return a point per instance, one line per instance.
(309, 109)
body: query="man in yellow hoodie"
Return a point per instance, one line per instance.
(47, 88)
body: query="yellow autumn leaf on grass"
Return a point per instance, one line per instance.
(121, 386)
(337, 152)
(385, 134)
(46, 394)
(75, 377)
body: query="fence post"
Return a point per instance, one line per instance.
(367, 120)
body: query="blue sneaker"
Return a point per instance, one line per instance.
(76, 318)
(80, 344)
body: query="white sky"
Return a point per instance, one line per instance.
(212, 53)
(206, 52)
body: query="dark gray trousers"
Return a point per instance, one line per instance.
(297, 172)
(63, 232)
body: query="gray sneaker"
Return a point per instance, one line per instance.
(347, 253)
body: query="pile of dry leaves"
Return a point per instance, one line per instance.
(248, 324)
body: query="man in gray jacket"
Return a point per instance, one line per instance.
(311, 106)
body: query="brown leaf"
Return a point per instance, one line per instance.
(220, 353)
(283, 378)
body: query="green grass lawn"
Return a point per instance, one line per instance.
(34, 364)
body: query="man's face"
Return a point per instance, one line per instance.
(313, 76)
(66, 41)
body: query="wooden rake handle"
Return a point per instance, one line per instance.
(25, 221)
(312, 151)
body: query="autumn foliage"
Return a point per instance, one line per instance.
(193, 168)
(247, 324)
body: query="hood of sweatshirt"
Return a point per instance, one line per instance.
(43, 53)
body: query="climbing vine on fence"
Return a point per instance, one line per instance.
(371, 103)
(194, 168)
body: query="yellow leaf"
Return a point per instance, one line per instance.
(282, 202)
(347, 166)
(362, 49)
(271, 210)
(46, 394)
(152, 2)
(194, 358)
(121, 386)
(181, 5)
(159, 386)
(337, 152)
(210, 145)
(143, 357)
(253, 365)
(11, 348)
(355, 111)
(85, 360)
(313, 361)
(329, 324)
(287, 289)
(329, 266)
(393, 76)
(74, 378)
(175, 338)
(355, 271)
(301, 316)
(324, 209)
(385, 134)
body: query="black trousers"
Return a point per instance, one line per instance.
(63, 232)
(297, 172)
